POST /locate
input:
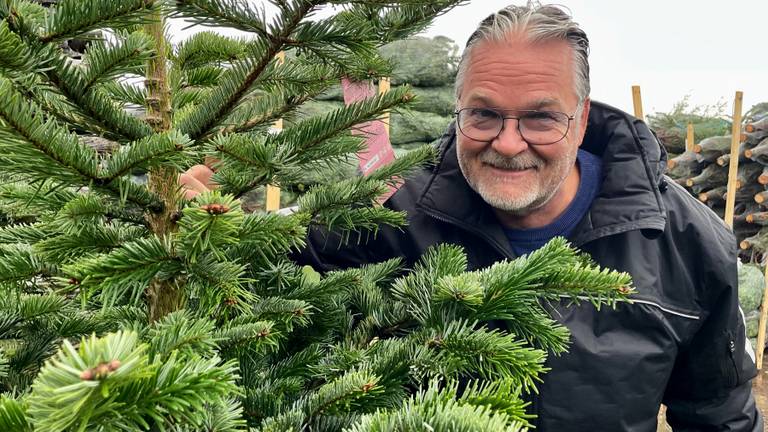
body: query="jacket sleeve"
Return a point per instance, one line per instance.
(710, 388)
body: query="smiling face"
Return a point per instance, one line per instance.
(511, 175)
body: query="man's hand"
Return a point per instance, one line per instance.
(196, 180)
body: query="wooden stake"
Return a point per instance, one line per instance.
(637, 101)
(733, 166)
(273, 192)
(689, 138)
(384, 85)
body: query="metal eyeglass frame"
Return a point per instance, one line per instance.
(504, 123)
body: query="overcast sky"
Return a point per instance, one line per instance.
(671, 48)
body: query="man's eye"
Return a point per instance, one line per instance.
(541, 115)
(483, 113)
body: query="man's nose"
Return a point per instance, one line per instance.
(509, 142)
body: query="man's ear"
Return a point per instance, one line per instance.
(583, 119)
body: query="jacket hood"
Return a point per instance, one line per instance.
(630, 195)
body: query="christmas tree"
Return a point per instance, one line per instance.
(124, 307)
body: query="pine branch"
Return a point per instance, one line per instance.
(102, 115)
(359, 191)
(207, 48)
(249, 160)
(238, 80)
(187, 99)
(203, 76)
(329, 43)
(81, 213)
(405, 165)
(16, 57)
(236, 14)
(393, 20)
(355, 390)
(289, 313)
(125, 93)
(23, 233)
(268, 236)
(50, 409)
(167, 149)
(23, 17)
(132, 266)
(111, 380)
(599, 285)
(437, 406)
(40, 149)
(179, 331)
(210, 224)
(96, 239)
(104, 62)
(18, 263)
(301, 139)
(25, 199)
(464, 349)
(365, 221)
(53, 104)
(262, 110)
(219, 288)
(245, 339)
(71, 18)
(13, 413)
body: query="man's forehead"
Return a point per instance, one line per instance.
(479, 98)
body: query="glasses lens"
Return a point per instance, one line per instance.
(543, 127)
(480, 124)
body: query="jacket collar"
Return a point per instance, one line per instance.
(629, 199)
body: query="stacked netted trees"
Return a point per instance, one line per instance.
(428, 66)
(125, 307)
(704, 171)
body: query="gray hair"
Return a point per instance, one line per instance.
(537, 23)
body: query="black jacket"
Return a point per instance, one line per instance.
(681, 342)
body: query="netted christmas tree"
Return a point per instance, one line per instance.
(124, 307)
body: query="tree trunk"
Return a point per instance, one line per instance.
(164, 296)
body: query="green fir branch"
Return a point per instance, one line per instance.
(105, 62)
(237, 14)
(167, 149)
(13, 414)
(132, 266)
(71, 18)
(100, 113)
(207, 48)
(18, 262)
(16, 57)
(126, 94)
(95, 239)
(463, 348)
(23, 233)
(237, 81)
(37, 148)
(209, 224)
(179, 331)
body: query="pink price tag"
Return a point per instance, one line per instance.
(378, 150)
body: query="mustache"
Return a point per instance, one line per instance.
(518, 163)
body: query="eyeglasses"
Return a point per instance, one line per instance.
(536, 127)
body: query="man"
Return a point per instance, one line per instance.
(529, 158)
